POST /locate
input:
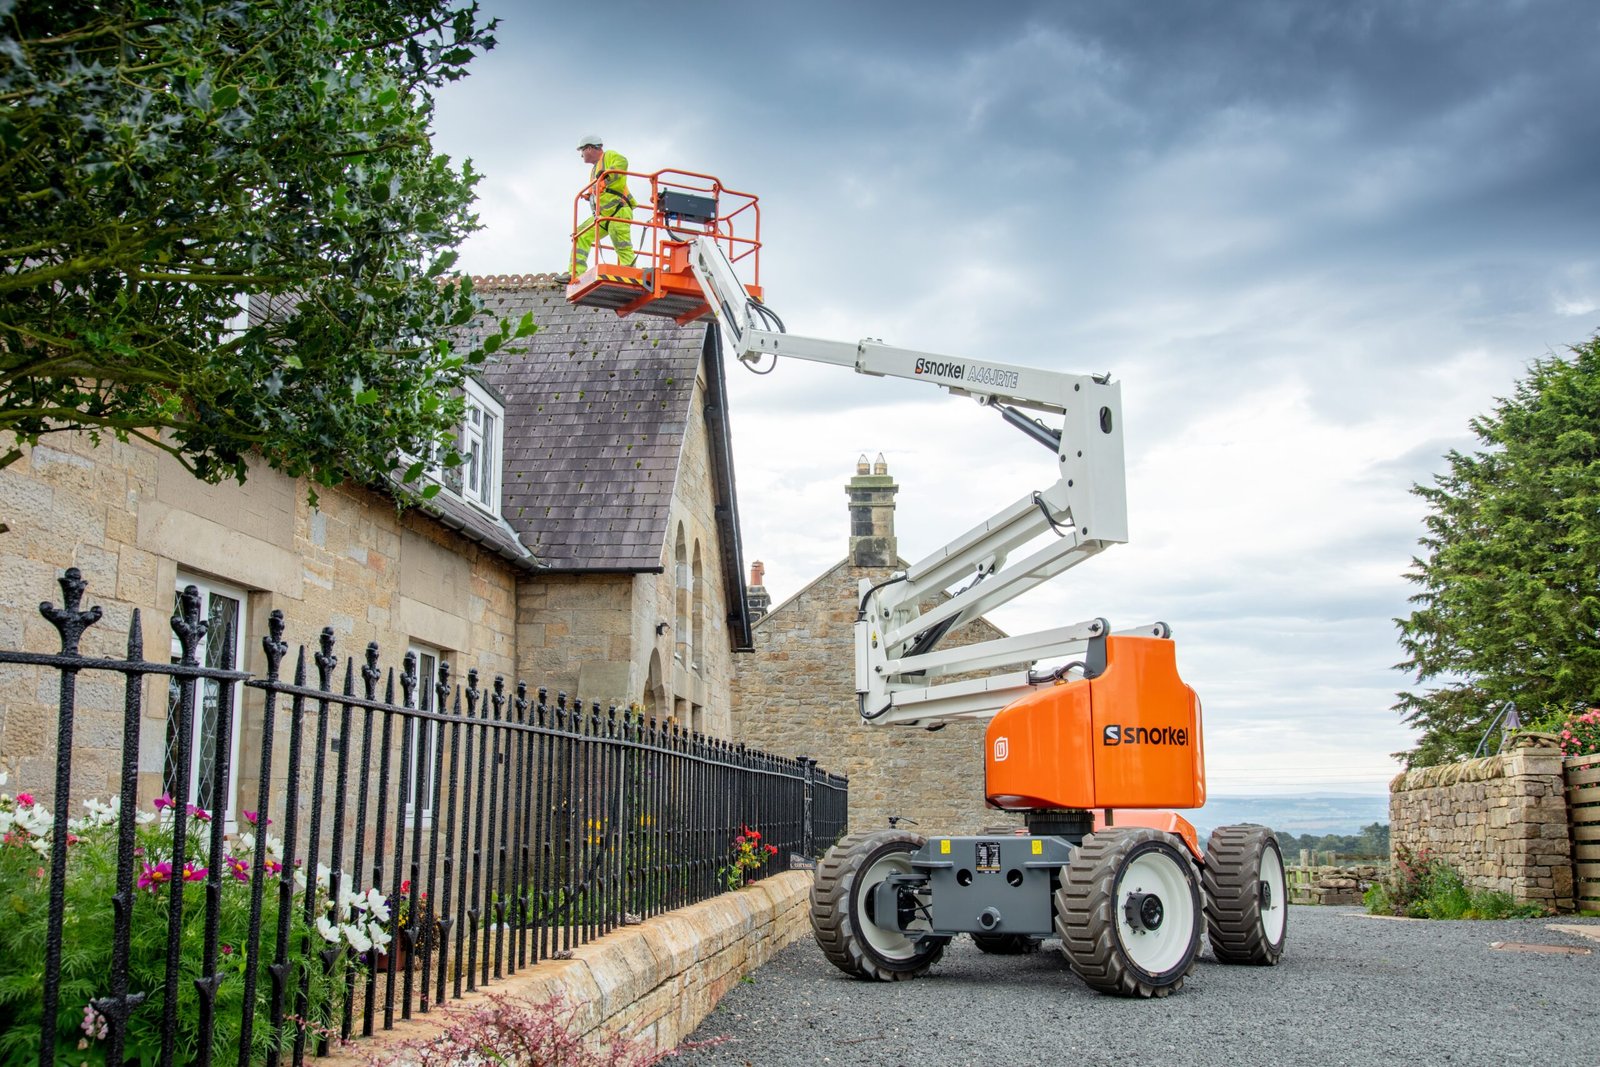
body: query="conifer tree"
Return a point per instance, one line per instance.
(1509, 601)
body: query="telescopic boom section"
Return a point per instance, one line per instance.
(903, 676)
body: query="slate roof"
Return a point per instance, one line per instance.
(596, 408)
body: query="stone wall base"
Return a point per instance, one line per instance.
(1501, 821)
(654, 982)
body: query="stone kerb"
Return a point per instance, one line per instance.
(1501, 821)
(654, 982)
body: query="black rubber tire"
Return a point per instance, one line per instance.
(1007, 944)
(1091, 898)
(1241, 930)
(839, 920)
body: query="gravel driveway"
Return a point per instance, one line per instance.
(1349, 990)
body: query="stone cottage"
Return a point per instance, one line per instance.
(796, 694)
(590, 546)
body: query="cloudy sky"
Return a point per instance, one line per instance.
(1312, 240)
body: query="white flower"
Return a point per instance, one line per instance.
(102, 814)
(145, 818)
(323, 874)
(328, 930)
(378, 935)
(35, 820)
(245, 844)
(274, 847)
(300, 880)
(350, 902)
(41, 845)
(377, 905)
(356, 936)
(7, 821)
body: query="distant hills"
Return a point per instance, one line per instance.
(1296, 813)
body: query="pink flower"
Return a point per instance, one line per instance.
(192, 872)
(238, 868)
(199, 813)
(272, 867)
(94, 1024)
(164, 801)
(24, 800)
(155, 875)
(254, 819)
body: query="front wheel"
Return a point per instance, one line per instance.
(1247, 898)
(1128, 912)
(858, 941)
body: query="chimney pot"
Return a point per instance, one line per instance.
(758, 570)
(880, 467)
(862, 467)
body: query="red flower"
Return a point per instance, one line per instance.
(24, 800)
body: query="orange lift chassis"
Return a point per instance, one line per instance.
(1091, 731)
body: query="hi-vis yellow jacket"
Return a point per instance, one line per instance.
(613, 194)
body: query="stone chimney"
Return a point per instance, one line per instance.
(872, 492)
(755, 594)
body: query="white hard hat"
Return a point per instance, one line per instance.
(592, 139)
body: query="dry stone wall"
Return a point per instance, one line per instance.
(1500, 821)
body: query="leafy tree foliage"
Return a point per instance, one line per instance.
(161, 160)
(1509, 607)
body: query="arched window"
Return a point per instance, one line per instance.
(681, 578)
(697, 611)
(655, 691)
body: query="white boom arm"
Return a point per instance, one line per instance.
(902, 677)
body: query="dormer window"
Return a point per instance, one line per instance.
(480, 445)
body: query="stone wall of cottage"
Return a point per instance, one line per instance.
(135, 523)
(1501, 821)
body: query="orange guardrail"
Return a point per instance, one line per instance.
(672, 208)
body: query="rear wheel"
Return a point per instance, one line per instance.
(844, 916)
(1247, 899)
(1128, 912)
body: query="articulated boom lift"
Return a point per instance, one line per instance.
(1084, 748)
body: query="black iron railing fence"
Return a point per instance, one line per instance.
(423, 853)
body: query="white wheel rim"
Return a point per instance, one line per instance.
(1273, 915)
(886, 941)
(1160, 950)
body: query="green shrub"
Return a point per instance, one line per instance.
(344, 928)
(1421, 886)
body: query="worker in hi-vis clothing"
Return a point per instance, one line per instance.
(611, 203)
